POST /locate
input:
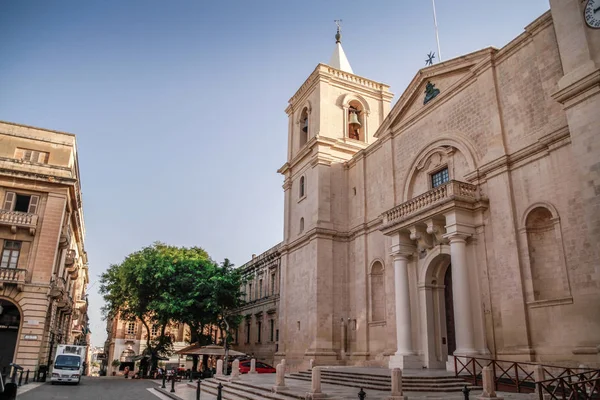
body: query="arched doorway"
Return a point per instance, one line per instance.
(10, 321)
(437, 307)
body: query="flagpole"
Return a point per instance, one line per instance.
(437, 37)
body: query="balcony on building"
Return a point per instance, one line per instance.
(435, 202)
(57, 287)
(65, 236)
(71, 257)
(12, 276)
(19, 220)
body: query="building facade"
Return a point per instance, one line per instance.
(43, 266)
(126, 340)
(465, 220)
(258, 333)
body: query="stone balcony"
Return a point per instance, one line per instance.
(65, 237)
(57, 288)
(70, 257)
(12, 276)
(81, 305)
(17, 219)
(433, 202)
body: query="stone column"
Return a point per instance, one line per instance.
(219, 368)
(235, 369)
(396, 385)
(252, 366)
(311, 363)
(315, 390)
(405, 355)
(461, 292)
(489, 391)
(343, 336)
(279, 377)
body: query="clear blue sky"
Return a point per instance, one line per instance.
(178, 106)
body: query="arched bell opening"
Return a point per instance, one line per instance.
(356, 121)
(304, 129)
(10, 322)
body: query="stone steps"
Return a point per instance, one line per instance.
(383, 383)
(235, 390)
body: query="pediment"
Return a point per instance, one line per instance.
(443, 79)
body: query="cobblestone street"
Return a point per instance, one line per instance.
(106, 388)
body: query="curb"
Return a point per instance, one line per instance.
(167, 393)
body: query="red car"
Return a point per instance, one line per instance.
(261, 368)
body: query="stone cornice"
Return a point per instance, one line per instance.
(334, 76)
(543, 146)
(71, 135)
(580, 90)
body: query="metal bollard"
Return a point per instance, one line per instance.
(466, 392)
(21, 377)
(27, 377)
(198, 390)
(164, 378)
(219, 389)
(173, 383)
(362, 395)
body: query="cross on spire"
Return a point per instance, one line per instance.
(338, 35)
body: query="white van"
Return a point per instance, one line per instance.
(68, 364)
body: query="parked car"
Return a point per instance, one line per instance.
(261, 367)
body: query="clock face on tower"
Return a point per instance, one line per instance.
(591, 13)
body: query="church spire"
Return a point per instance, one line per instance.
(339, 59)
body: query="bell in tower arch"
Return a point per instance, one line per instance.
(354, 122)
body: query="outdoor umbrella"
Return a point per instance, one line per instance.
(210, 350)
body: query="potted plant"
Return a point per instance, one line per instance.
(115, 364)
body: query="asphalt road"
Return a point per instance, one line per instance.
(103, 388)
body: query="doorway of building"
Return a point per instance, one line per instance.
(449, 305)
(10, 321)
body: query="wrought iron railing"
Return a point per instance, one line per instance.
(510, 376)
(584, 385)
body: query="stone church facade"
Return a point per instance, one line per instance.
(464, 220)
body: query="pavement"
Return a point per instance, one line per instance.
(93, 388)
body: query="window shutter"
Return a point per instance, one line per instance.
(19, 154)
(9, 201)
(33, 204)
(27, 155)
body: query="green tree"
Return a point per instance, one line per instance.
(155, 285)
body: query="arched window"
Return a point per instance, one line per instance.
(546, 258)
(301, 225)
(303, 127)
(302, 191)
(356, 121)
(377, 292)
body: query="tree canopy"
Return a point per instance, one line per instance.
(162, 284)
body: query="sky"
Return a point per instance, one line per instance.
(178, 106)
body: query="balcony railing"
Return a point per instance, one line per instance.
(65, 236)
(13, 276)
(17, 219)
(438, 195)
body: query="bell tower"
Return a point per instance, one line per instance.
(333, 115)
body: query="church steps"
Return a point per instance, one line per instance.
(243, 391)
(382, 382)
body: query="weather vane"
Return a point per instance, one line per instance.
(430, 58)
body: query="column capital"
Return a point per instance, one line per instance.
(456, 237)
(398, 256)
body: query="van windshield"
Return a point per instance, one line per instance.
(67, 362)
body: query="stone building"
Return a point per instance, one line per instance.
(463, 220)
(43, 266)
(127, 340)
(258, 333)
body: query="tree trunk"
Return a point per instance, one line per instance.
(145, 371)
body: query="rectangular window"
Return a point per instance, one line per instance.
(277, 335)
(32, 155)
(10, 254)
(154, 330)
(131, 328)
(21, 202)
(272, 330)
(248, 332)
(260, 287)
(250, 292)
(273, 283)
(439, 178)
(258, 331)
